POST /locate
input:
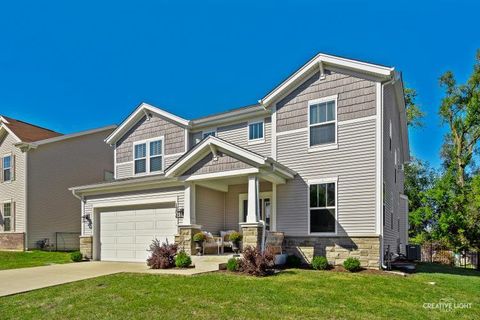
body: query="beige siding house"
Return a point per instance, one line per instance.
(311, 161)
(38, 166)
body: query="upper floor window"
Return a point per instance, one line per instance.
(322, 124)
(7, 168)
(148, 156)
(7, 216)
(323, 208)
(209, 133)
(256, 131)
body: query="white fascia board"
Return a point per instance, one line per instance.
(137, 115)
(325, 60)
(133, 202)
(399, 93)
(204, 148)
(4, 126)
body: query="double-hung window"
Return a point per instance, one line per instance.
(256, 131)
(7, 168)
(322, 121)
(7, 216)
(323, 208)
(148, 156)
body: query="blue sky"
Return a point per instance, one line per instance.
(72, 66)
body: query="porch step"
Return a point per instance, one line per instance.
(211, 262)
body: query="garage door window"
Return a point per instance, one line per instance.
(148, 156)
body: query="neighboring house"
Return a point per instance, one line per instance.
(320, 159)
(37, 166)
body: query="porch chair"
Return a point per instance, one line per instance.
(212, 242)
(226, 243)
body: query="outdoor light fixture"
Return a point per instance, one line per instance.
(88, 219)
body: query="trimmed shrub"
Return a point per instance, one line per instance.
(352, 264)
(320, 263)
(199, 237)
(235, 237)
(163, 255)
(183, 260)
(293, 261)
(256, 263)
(76, 256)
(233, 265)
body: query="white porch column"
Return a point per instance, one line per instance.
(189, 204)
(253, 196)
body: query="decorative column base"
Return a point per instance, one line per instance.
(86, 247)
(252, 234)
(184, 238)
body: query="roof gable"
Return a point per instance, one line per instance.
(319, 63)
(143, 110)
(26, 132)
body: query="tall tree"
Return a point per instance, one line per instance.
(414, 113)
(460, 109)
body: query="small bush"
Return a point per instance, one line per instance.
(183, 260)
(233, 265)
(199, 237)
(256, 263)
(320, 263)
(235, 237)
(163, 255)
(76, 256)
(293, 261)
(352, 264)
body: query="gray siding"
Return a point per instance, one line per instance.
(353, 163)
(403, 224)
(210, 208)
(393, 213)
(52, 169)
(174, 138)
(237, 133)
(124, 170)
(209, 165)
(176, 192)
(14, 191)
(356, 99)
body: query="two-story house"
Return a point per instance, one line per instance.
(37, 167)
(319, 158)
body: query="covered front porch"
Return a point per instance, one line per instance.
(228, 188)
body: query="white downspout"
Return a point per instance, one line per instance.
(382, 260)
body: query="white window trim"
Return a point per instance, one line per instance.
(259, 140)
(11, 168)
(212, 130)
(328, 146)
(147, 156)
(390, 136)
(321, 181)
(244, 196)
(12, 216)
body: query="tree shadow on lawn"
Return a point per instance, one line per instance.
(445, 269)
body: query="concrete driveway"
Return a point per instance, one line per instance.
(27, 279)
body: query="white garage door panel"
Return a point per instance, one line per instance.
(126, 235)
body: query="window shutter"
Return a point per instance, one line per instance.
(1, 170)
(12, 170)
(13, 217)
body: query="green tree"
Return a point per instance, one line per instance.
(414, 113)
(460, 109)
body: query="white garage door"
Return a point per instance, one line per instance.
(125, 235)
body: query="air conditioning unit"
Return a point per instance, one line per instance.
(414, 252)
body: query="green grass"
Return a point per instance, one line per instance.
(36, 258)
(293, 294)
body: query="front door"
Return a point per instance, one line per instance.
(265, 205)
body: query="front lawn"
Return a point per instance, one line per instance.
(293, 294)
(36, 258)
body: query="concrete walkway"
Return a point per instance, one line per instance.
(27, 279)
